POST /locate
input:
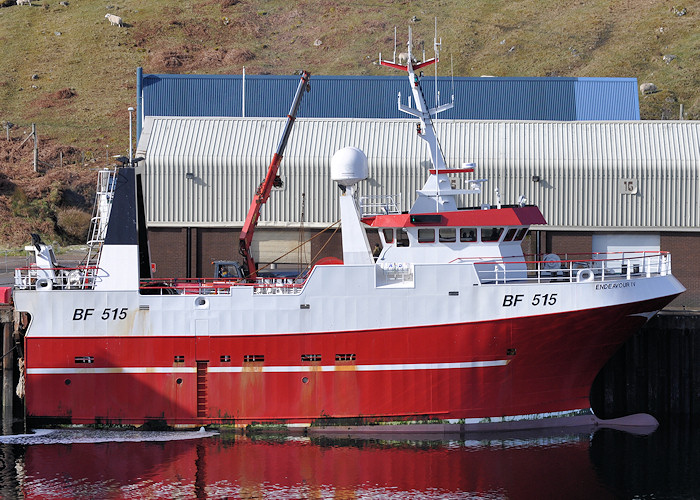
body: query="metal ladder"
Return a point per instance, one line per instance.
(106, 179)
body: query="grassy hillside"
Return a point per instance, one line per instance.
(74, 47)
(66, 69)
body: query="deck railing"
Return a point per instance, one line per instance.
(380, 205)
(595, 267)
(218, 286)
(61, 278)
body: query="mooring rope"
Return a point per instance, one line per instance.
(9, 352)
(301, 244)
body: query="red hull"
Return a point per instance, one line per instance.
(500, 368)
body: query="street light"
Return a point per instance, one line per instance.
(131, 110)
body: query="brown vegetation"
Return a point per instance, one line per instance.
(55, 202)
(68, 70)
(53, 99)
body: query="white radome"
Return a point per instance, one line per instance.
(349, 166)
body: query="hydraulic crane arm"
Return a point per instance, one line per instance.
(263, 192)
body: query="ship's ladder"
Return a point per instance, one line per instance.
(106, 179)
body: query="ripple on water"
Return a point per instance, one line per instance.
(72, 436)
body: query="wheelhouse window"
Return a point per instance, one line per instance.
(510, 234)
(426, 235)
(491, 234)
(521, 234)
(447, 235)
(388, 235)
(401, 238)
(467, 234)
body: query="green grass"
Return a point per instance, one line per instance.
(518, 38)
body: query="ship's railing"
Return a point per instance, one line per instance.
(597, 267)
(222, 286)
(55, 278)
(380, 205)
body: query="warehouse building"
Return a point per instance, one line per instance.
(604, 184)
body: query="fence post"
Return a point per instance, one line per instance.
(36, 147)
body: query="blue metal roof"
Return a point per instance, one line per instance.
(476, 98)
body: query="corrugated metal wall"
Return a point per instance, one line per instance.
(579, 165)
(503, 98)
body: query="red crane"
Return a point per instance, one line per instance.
(272, 179)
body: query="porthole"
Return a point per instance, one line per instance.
(305, 380)
(179, 381)
(67, 381)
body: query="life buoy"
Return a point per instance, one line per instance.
(584, 275)
(44, 284)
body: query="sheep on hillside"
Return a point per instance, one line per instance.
(24, 2)
(113, 19)
(648, 88)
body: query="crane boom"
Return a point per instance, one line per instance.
(263, 192)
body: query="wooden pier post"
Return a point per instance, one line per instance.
(7, 370)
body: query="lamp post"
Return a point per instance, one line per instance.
(131, 110)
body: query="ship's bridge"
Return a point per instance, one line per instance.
(443, 237)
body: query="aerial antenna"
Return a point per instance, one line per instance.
(436, 49)
(452, 73)
(436, 44)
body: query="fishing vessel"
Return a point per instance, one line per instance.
(449, 322)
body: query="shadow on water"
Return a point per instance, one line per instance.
(664, 464)
(11, 462)
(597, 464)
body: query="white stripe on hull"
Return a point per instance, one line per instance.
(270, 369)
(124, 369)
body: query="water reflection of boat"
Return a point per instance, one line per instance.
(509, 466)
(537, 463)
(450, 324)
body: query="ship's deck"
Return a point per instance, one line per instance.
(488, 271)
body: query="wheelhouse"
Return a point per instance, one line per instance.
(446, 236)
(453, 236)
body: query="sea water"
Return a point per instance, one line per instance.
(558, 463)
